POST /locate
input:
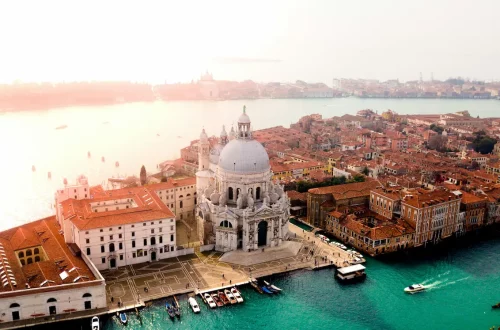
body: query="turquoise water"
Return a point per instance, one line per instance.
(463, 284)
(301, 225)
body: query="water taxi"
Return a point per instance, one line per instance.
(415, 288)
(351, 273)
(209, 300)
(194, 305)
(237, 295)
(272, 287)
(230, 297)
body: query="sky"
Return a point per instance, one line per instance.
(313, 40)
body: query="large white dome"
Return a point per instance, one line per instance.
(244, 157)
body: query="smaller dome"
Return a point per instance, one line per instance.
(244, 119)
(223, 133)
(203, 135)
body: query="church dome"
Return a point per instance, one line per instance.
(244, 157)
(244, 119)
(203, 135)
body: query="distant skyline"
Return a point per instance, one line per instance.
(264, 41)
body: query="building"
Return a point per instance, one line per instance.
(321, 201)
(434, 214)
(238, 206)
(179, 195)
(385, 202)
(120, 227)
(474, 208)
(42, 275)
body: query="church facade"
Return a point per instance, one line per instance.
(239, 207)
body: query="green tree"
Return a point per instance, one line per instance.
(365, 171)
(485, 145)
(143, 176)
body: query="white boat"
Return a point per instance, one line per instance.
(415, 288)
(237, 295)
(356, 261)
(194, 305)
(342, 246)
(229, 295)
(209, 300)
(95, 323)
(272, 286)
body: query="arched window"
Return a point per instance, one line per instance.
(37, 258)
(21, 254)
(188, 195)
(257, 193)
(230, 191)
(29, 261)
(36, 251)
(181, 196)
(112, 247)
(14, 305)
(28, 252)
(23, 262)
(226, 224)
(51, 300)
(153, 240)
(87, 295)
(181, 204)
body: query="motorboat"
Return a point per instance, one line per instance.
(208, 298)
(123, 318)
(223, 298)
(351, 273)
(274, 287)
(342, 246)
(95, 323)
(177, 310)
(237, 295)
(266, 290)
(170, 309)
(216, 299)
(194, 305)
(254, 285)
(496, 306)
(415, 288)
(230, 297)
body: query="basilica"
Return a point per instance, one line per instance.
(238, 206)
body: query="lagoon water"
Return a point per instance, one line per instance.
(462, 284)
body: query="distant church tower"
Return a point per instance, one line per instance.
(223, 136)
(203, 151)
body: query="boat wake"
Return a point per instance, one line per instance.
(432, 278)
(444, 283)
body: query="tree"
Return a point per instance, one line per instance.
(436, 128)
(485, 145)
(365, 171)
(438, 143)
(143, 176)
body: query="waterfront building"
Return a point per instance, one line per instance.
(42, 275)
(238, 205)
(208, 87)
(321, 201)
(120, 227)
(433, 214)
(474, 208)
(179, 195)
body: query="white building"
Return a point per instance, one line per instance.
(43, 276)
(238, 205)
(120, 227)
(178, 195)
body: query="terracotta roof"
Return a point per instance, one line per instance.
(172, 183)
(295, 195)
(349, 190)
(45, 234)
(424, 199)
(149, 207)
(470, 198)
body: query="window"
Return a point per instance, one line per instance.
(87, 241)
(172, 228)
(161, 239)
(120, 245)
(133, 244)
(145, 241)
(161, 221)
(140, 253)
(86, 233)
(102, 248)
(152, 231)
(110, 237)
(103, 260)
(21, 254)
(101, 230)
(102, 238)
(152, 223)
(119, 235)
(133, 255)
(28, 252)
(161, 249)
(110, 229)
(37, 258)
(180, 204)
(112, 247)
(145, 253)
(133, 233)
(133, 226)
(23, 262)
(119, 228)
(171, 238)
(153, 240)
(144, 224)
(88, 251)
(161, 229)
(121, 256)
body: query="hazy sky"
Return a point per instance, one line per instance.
(258, 40)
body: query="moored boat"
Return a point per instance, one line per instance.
(216, 299)
(496, 306)
(177, 308)
(194, 305)
(230, 297)
(223, 298)
(266, 290)
(170, 310)
(123, 318)
(95, 323)
(414, 288)
(256, 287)
(209, 300)
(273, 287)
(351, 273)
(237, 295)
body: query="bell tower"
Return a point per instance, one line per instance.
(203, 152)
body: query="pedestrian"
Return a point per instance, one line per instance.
(223, 276)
